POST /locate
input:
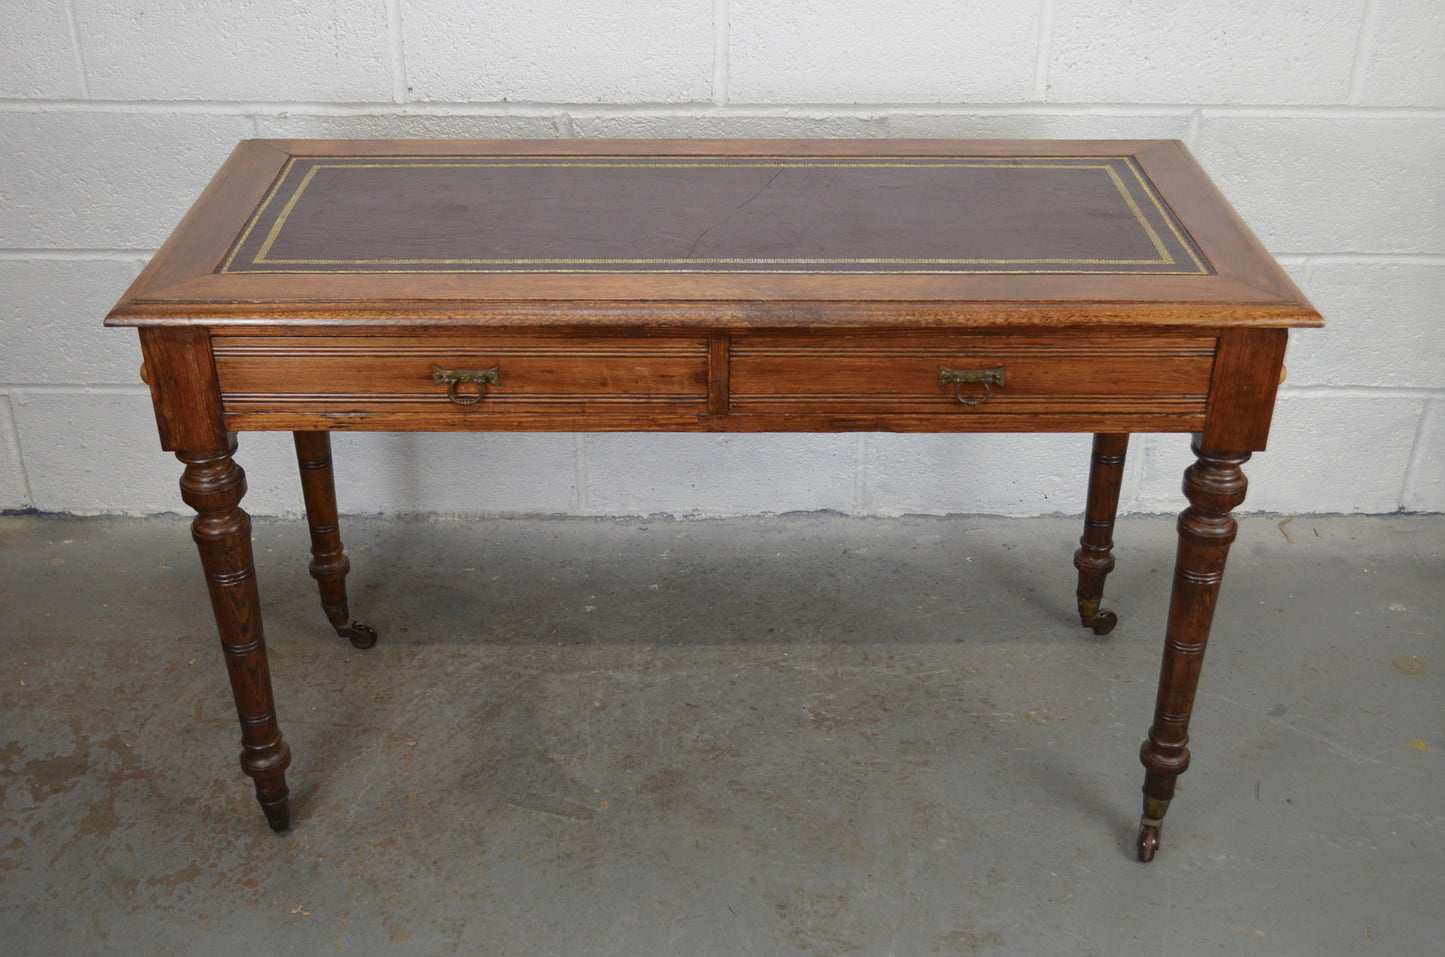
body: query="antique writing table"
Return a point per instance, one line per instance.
(750, 286)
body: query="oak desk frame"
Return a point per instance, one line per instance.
(644, 327)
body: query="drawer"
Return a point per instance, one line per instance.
(1049, 374)
(436, 375)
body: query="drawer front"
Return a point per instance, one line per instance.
(1056, 375)
(377, 377)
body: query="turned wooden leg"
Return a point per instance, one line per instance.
(329, 563)
(1095, 557)
(1215, 486)
(213, 485)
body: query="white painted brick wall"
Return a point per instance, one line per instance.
(604, 51)
(37, 55)
(1224, 51)
(1404, 66)
(1425, 482)
(1324, 122)
(106, 179)
(235, 50)
(47, 321)
(1384, 331)
(1332, 182)
(881, 51)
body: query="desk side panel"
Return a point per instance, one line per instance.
(182, 375)
(1247, 373)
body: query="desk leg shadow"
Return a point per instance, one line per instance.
(329, 563)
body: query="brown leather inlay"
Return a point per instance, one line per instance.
(481, 214)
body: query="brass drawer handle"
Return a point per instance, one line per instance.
(988, 378)
(454, 378)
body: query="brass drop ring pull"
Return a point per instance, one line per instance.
(454, 378)
(988, 378)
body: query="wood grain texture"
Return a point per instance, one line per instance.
(1176, 322)
(181, 373)
(1246, 378)
(1215, 485)
(1095, 557)
(213, 484)
(182, 286)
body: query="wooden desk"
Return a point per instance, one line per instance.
(764, 286)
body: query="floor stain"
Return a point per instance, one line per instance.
(1410, 665)
(183, 876)
(971, 941)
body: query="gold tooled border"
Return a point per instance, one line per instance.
(565, 265)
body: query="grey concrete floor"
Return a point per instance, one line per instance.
(795, 735)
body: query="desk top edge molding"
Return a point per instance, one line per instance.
(181, 287)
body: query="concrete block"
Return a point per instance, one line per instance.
(37, 55)
(272, 484)
(1383, 326)
(408, 125)
(1160, 460)
(50, 322)
(1404, 66)
(1336, 183)
(726, 124)
(1327, 453)
(488, 473)
(1066, 126)
(1425, 490)
(104, 180)
(1334, 454)
(95, 453)
(249, 50)
(611, 51)
(990, 473)
(14, 493)
(713, 475)
(864, 51)
(1230, 51)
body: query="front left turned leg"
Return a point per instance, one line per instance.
(213, 485)
(329, 563)
(1095, 557)
(1215, 486)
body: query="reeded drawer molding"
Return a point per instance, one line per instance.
(395, 373)
(1075, 374)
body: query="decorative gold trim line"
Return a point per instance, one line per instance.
(722, 272)
(1166, 215)
(1140, 218)
(720, 259)
(284, 214)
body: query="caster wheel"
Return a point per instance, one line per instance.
(361, 636)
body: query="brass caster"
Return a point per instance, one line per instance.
(1102, 622)
(1148, 841)
(361, 636)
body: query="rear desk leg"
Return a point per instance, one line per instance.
(1095, 557)
(213, 485)
(329, 563)
(1215, 486)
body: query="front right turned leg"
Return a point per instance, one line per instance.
(213, 485)
(1215, 486)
